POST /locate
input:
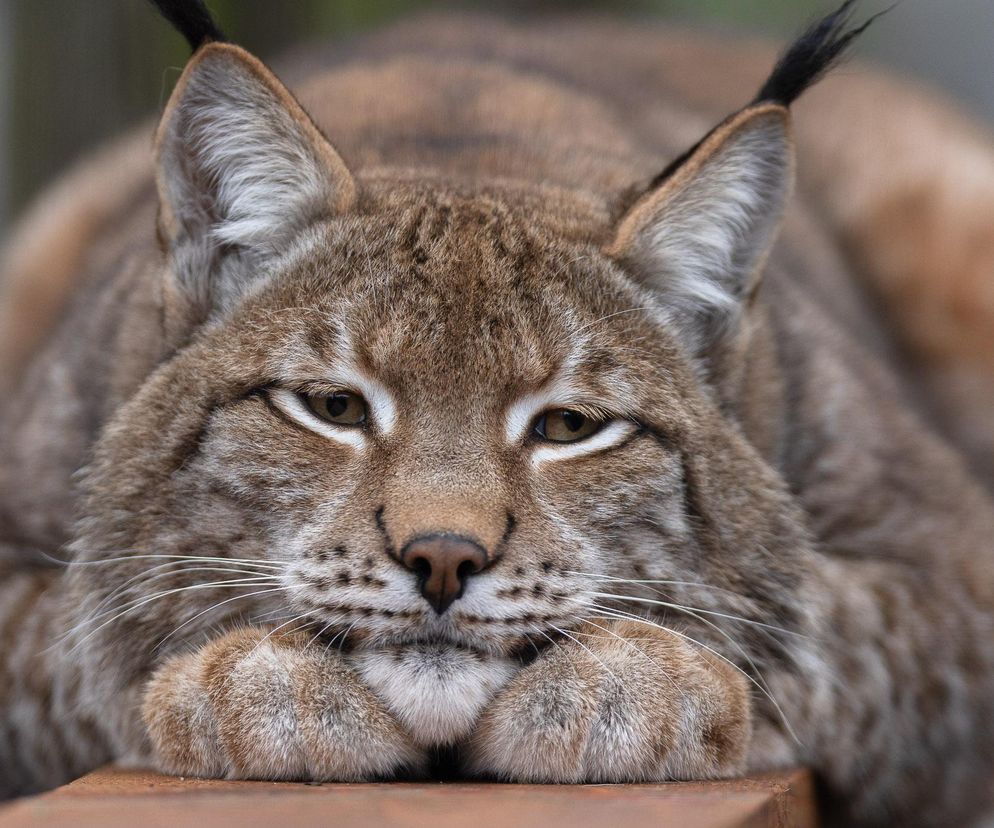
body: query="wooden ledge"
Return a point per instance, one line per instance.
(111, 797)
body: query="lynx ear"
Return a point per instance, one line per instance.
(241, 168)
(701, 235)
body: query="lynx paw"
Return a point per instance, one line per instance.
(247, 706)
(631, 704)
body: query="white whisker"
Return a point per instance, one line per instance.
(631, 643)
(143, 600)
(738, 647)
(621, 615)
(274, 630)
(215, 606)
(149, 578)
(274, 565)
(590, 652)
(604, 318)
(320, 632)
(344, 636)
(134, 603)
(665, 582)
(682, 608)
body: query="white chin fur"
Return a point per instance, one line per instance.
(436, 692)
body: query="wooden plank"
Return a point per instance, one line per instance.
(111, 797)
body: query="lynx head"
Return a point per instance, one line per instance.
(418, 413)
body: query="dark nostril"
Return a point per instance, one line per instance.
(443, 563)
(421, 567)
(467, 568)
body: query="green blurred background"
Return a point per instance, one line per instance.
(73, 72)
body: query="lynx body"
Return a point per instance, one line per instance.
(463, 428)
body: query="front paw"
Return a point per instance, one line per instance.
(248, 706)
(621, 703)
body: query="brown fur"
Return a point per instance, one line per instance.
(823, 553)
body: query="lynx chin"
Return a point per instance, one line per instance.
(448, 404)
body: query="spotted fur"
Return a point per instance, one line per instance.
(774, 558)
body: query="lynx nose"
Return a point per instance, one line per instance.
(443, 563)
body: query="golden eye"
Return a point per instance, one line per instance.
(562, 425)
(341, 408)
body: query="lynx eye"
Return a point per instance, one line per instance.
(563, 425)
(341, 408)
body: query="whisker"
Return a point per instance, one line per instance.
(665, 582)
(300, 627)
(627, 641)
(590, 652)
(269, 634)
(274, 565)
(149, 578)
(621, 615)
(630, 642)
(344, 635)
(215, 606)
(741, 650)
(576, 259)
(735, 644)
(320, 632)
(604, 318)
(555, 643)
(534, 646)
(647, 582)
(142, 601)
(767, 629)
(270, 616)
(681, 608)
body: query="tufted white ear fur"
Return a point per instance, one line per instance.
(241, 168)
(701, 237)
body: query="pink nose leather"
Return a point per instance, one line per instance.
(443, 562)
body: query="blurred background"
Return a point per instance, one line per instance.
(73, 72)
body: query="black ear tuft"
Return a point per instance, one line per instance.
(804, 63)
(192, 19)
(809, 57)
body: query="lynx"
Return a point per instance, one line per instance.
(455, 414)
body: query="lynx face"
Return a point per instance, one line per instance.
(441, 418)
(459, 337)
